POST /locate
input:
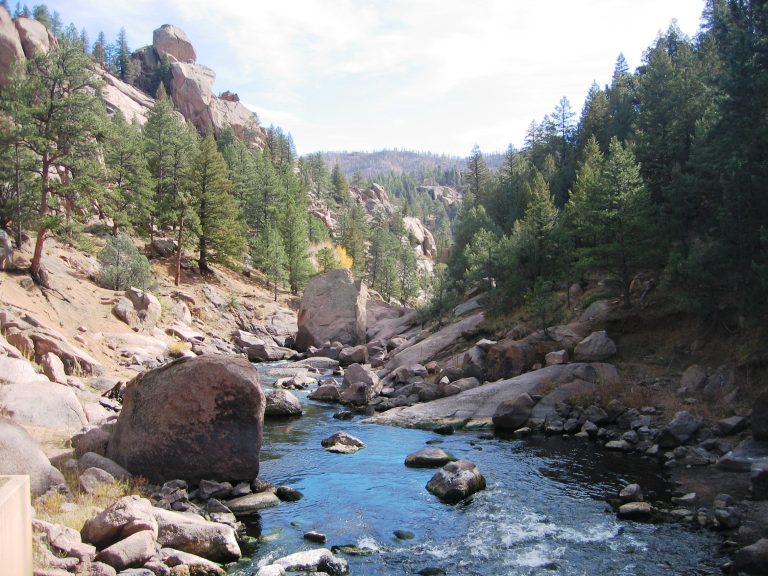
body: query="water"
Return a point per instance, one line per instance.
(544, 510)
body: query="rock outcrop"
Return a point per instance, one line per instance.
(332, 310)
(11, 50)
(420, 236)
(35, 37)
(192, 419)
(173, 43)
(20, 454)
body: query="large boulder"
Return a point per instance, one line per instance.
(35, 37)
(6, 249)
(43, 404)
(332, 309)
(18, 371)
(11, 50)
(138, 309)
(512, 414)
(509, 358)
(131, 552)
(752, 559)
(194, 418)
(282, 403)
(760, 417)
(595, 348)
(20, 454)
(126, 516)
(419, 234)
(195, 535)
(456, 481)
(172, 42)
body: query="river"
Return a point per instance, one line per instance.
(544, 510)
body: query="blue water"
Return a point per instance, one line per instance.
(544, 510)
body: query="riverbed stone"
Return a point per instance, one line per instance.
(270, 570)
(192, 419)
(282, 404)
(288, 494)
(317, 560)
(429, 458)
(195, 535)
(126, 516)
(631, 493)
(759, 480)
(342, 443)
(635, 511)
(744, 456)
(194, 564)
(456, 481)
(252, 503)
(326, 393)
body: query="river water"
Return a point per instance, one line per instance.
(544, 510)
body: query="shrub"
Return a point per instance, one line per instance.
(122, 265)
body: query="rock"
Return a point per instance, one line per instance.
(512, 414)
(208, 489)
(727, 518)
(325, 393)
(456, 387)
(11, 50)
(192, 534)
(64, 540)
(173, 42)
(692, 381)
(138, 309)
(20, 454)
(760, 417)
(428, 458)
(631, 493)
(433, 345)
(509, 358)
(101, 569)
(744, 456)
(252, 503)
(759, 480)
(43, 404)
(332, 309)
(595, 414)
(404, 535)
(317, 560)
(93, 439)
(342, 443)
(270, 570)
(195, 564)
(618, 445)
(314, 536)
(471, 305)
(6, 246)
(557, 357)
(752, 559)
(53, 368)
(130, 552)
(732, 425)
(163, 248)
(680, 429)
(456, 481)
(18, 371)
(595, 348)
(34, 36)
(719, 384)
(419, 234)
(635, 511)
(192, 419)
(75, 360)
(288, 494)
(475, 408)
(126, 516)
(93, 460)
(281, 403)
(353, 355)
(359, 374)
(269, 353)
(91, 478)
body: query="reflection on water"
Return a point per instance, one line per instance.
(543, 512)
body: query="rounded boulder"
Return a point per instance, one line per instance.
(192, 419)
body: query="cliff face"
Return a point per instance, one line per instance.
(191, 84)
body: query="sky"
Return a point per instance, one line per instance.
(427, 75)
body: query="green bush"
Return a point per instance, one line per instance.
(122, 265)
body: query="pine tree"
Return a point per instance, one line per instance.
(294, 234)
(128, 196)
(339, 186)
(56, 109)
(220, 238)
(477, 176)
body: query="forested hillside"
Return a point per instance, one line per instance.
(663, 172)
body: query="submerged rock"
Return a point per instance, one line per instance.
(635, 511)
(456, 481)
(342, 443)
(428, 458)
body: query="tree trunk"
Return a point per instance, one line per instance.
(42, 212)
(202, 262)
(17, 170)
(180, 237)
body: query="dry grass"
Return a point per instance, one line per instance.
(73, 510)
(177, 349)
